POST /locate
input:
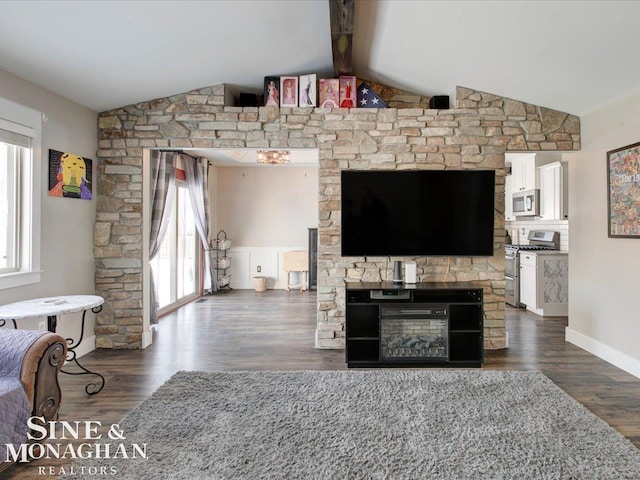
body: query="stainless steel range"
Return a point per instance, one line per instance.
(538, 240)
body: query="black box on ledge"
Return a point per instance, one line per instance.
(248, 100)
(439, 102)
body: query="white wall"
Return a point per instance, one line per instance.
(265, 211)
(67, 224)
(604, 273)
(270, 206)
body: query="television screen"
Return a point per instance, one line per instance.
(417, 213)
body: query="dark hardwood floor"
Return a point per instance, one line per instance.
(274, 330)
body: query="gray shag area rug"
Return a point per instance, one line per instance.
(383, 424)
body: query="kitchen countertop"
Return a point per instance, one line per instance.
(545, 252)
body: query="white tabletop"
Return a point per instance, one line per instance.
(48, 307)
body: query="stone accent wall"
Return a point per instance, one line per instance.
(529, 127)
(475, 136)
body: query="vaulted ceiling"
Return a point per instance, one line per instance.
(573, 56)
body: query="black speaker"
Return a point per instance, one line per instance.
(248, 100)
(440, 102)
(397, 271)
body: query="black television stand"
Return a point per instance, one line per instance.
(421, 325)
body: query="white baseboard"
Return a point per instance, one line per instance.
(87, 345)
(147, 339)
(621, 360)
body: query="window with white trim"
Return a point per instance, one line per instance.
(20, 154)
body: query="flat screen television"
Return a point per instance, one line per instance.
(417, 213)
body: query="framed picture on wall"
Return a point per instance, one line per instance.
(69, 175)
(623, 178)
(288, 91)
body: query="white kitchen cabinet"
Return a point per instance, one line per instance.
(552, 191)
(520, 179)
(527, 279)
(508, 203)
(544, 282)
(524, 171)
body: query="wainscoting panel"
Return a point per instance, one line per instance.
(240, 269)
(246, 260)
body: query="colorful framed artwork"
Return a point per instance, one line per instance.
(288, 91)
(308, 97)
(329, 95)
(69, 175)
(348, 91)
(623, 178)
(271, 91)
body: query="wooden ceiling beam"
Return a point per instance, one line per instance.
(341, 15)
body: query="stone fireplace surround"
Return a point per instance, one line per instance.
(474, 135)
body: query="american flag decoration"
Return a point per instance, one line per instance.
(367, 98)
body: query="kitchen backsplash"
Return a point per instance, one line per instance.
(519, 230)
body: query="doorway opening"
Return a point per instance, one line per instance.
(265, 210)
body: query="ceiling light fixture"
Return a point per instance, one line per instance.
(273, 157)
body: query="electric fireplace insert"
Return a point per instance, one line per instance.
(409, 333)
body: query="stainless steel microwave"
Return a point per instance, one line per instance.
(526, 203)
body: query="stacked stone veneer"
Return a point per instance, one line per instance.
(473, 136)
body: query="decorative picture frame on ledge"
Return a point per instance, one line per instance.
(308, 91)
(288, 91)
(623, 179)
(348, 91)
(271, 91)
(329, 93)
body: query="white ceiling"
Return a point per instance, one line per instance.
(574, 56)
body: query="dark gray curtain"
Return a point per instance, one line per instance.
(163, 178)
(196, 172)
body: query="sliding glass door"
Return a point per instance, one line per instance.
(176, 267)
